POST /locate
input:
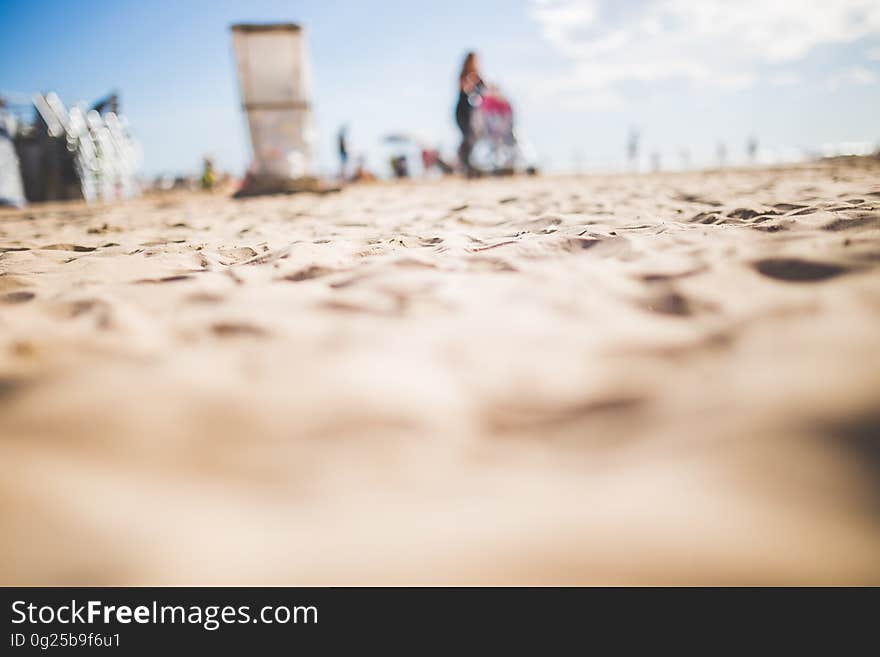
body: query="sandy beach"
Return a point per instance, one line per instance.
(621, 379)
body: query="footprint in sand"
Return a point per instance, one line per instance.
(307, 274)
(664, 277)
(671, 303)
(788, 207)
(796, 270)
(96, 310)
(77, 308)
(70, 247)
(508, 418)
(692, 198)
(743, 213)
(11, 298)
(204, 297)
(10, 386)
(576, 244)
(165, 279)
(236, 255)
(856, 437)
(237, 329)
(705, 218)
(864, 220)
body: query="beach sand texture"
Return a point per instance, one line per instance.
(623, 379)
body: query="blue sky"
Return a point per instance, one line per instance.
(797, 74)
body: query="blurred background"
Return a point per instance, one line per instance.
(694, 84)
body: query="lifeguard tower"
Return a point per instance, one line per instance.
(273, 76)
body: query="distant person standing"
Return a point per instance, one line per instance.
(752, 149)
(632, 148)
(721, 152)
(209, 174)
(342, 140)
(470, 86)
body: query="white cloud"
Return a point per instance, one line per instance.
(784, 79)
(860, 75)
(856, 75)
(874, 54)
(725, 44)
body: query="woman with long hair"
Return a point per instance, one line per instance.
(470, 85)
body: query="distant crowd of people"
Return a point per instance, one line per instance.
(633, 155)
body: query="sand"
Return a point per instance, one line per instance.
(630, 379)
